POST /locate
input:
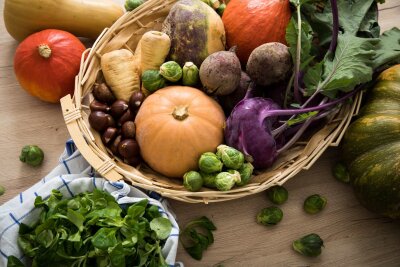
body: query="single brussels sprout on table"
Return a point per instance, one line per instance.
(32, 155)
(152, 80)
(192, 181)
(277, 194)
(190, 74)
(209, 163)
(270, 216)
(245, 172)
(309, 245)
(340, 172)
(230, 157)
(314, 204)
(224, 181)
(209, 179)
(171, 71)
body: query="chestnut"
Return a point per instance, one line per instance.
(96, 105)
(118, 108)
(127, 116)
(128, 129)
(109, 134)
(110, 121)
(103, 93)
(135, 161)
(136, 100)
(99, 120)
(114, 145)
(128, 148)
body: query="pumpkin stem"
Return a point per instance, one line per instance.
(44, 50)
(180, 113)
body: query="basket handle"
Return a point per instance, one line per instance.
(71, 115)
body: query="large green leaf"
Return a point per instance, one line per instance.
(388, 49)
(352, 64)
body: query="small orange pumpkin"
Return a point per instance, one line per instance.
(175, 125)
(251, 23)
(47, 62)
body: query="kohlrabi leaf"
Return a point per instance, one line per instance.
(301, 118)
(369, 27)
(292, 31)
(388, 49)
(313, 77)
(352, 64)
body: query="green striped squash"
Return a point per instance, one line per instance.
(371, 147)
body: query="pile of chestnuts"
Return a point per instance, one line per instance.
(114, 120)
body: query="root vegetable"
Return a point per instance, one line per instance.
(220, 73)
(120, 73)
(155, 47)
(269, 63)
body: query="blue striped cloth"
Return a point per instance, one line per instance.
(72, 176)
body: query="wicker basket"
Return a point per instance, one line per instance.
(125, 33)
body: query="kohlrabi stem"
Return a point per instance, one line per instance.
(296, 137)
(335, 30)
(298, 57)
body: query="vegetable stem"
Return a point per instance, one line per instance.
(335, 30)
(298, 57)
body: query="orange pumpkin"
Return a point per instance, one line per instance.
(175, 125)
(47, 62)
(251, 23)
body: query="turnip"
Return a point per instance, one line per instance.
(269, 63)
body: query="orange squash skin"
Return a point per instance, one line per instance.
(48, 79)
(251, 23)
(171, 146)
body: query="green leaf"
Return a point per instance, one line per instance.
(196, 251)
(104, 238)
(202, 222)
(369, 27)
(136, 211)
(27, 244)
(45, 238)
(388, 49)
(306, 41)
(351, 65)
(13, 261)
(313, 77)
(117, 256)
(162, 226)
(153, 212)
(301, 118)
(76, 218)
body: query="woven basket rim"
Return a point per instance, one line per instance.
(109, 167)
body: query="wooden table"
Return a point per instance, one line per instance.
(352, 235)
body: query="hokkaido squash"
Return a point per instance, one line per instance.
(82, 18)
(371, 147)
(175, 125)
(47, 62)
(251, 23)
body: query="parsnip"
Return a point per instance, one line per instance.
(155, 47)
(121, 73)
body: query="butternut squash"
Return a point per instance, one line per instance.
(81, 18)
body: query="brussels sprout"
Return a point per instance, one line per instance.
(152, 80)
(245, 173)
(224, 181)
(31, 155)
(220, 10)
(314, 204)
(171, 71)
(209, 179)
(340, 172)
(309, 245)
(277, 194)
(270, 216)
(231, 157)
(2, 190)
(192, 181)
(190, 74)
(133, 4)
(209, 163)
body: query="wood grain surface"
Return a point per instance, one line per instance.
(352, 235)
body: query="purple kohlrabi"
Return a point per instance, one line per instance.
(248, 129)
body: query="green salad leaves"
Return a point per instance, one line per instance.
(91, 229)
